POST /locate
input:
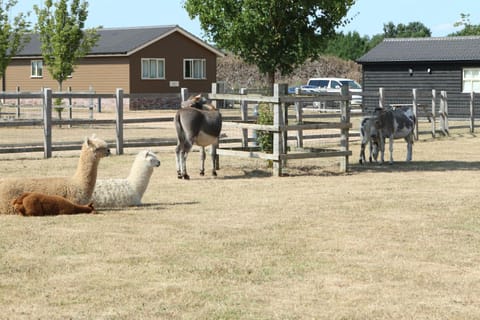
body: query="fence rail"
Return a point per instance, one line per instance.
(284, 122)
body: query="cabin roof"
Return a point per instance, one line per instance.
(441, 49)
(122, 41)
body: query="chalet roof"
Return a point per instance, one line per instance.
(441, 49)
(122, 41)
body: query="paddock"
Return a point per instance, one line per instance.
(318, 243)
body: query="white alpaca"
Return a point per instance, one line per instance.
(78, 188)
(129, 191)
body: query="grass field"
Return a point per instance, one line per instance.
(379, 242)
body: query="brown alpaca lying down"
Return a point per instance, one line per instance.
(39, 204)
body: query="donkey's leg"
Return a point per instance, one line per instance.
(374, 149)
(362, 153)
(382, 149)
(202, 161)
(184, 173)
(214, 159)
(409, 140)
(178, 161)
(390, 141)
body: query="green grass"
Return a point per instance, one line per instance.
(394, 241)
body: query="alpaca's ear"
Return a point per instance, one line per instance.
(89, 142)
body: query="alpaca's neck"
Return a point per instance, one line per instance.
(86, 174)
(139, 177)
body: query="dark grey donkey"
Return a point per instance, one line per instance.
(196, 123)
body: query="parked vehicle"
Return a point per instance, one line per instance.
(304, 89)
(335, 85)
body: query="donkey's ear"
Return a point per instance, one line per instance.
(198, 97)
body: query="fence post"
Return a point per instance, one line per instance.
(299, 118)
(70, 107)
(214, 103)
(184, 93)
(381, 98)
(47, 123)
(244, 115)
(472, 112)
(434, 95)
(119, 128)
(213, 91)
(278, 134)
(345, 119)
(415, 112)
(90, 106)
(70, 112)
(18, 103)
(444, 112)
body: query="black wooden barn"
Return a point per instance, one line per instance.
(445, 63)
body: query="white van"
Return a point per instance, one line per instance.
(335, 85)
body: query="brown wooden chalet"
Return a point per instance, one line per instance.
(143, 61)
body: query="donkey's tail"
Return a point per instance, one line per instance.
(181, 134)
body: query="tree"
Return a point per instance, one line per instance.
(350, 46)
(274, 35)
(63, 38)
(469, 29)
(411, 30)
(13, 35)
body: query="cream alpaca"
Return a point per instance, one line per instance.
(78, 188)
(129, 191)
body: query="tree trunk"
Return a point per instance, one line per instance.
(271, 81)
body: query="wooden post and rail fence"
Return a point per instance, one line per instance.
(281, 104)
(288, 111)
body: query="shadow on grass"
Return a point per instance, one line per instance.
(149, 206)
(400, 166)
(450, 165)
(254, 173)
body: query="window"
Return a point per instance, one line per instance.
(318, 83)
(471, 80)
(37, 68)
(194, 69)
(153, 68)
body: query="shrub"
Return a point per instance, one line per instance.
(265, 138)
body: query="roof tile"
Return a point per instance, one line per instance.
(424, 49)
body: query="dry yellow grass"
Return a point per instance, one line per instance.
(380, 242)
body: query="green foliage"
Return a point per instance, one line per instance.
(265, 138)
(274, 35)
(411, 30)
(350, 46)
(64, 40)
(13, 33)
(469, 29)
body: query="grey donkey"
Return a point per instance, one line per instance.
(197, 123)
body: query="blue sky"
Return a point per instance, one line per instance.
(368, 15)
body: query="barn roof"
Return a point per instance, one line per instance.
(122, 41)
(441, 49)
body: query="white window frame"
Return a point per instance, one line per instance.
(158, 71)
(195, 69)
(36, 69)
(470, 80)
